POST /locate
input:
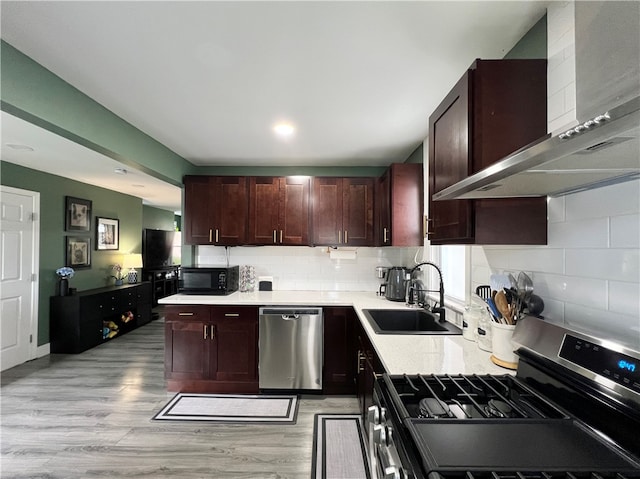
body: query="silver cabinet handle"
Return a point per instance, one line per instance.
(231, 315)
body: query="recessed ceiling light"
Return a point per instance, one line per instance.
(120, 171)
(15, 146)
(284, 129)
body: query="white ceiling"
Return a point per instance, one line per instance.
(209, 79)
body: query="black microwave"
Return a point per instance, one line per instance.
(208, 280)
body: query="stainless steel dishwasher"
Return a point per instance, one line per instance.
(291, 348)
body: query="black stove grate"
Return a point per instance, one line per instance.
(470, 397)
(536, 475)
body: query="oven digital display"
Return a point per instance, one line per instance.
(618, 367)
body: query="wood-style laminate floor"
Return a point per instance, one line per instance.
(89, 416)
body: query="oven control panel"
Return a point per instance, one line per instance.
(613, 365)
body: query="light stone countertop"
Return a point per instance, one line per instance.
(399, 354)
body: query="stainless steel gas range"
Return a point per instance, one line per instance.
(572, 411)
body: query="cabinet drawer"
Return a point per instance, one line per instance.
(231, 312)
(187, 313)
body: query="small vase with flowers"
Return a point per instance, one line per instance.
(63, 285)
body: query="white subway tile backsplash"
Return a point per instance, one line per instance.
(549, 260)
(304, 268)
(613, 200)
(563, 74)
(553, 310)
(622, 328)
(612, 264)
(556, 107)
(562, 123)
(625, 232)
(555, 210)
(587, 233)
(624, 298)
(590, 292)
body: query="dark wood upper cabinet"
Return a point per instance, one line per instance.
(215, 210)
(399, 198)
(343, 211)
(279, 210)
(496, 108)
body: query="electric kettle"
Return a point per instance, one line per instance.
(395, 287)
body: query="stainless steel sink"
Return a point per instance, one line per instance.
(408, 321)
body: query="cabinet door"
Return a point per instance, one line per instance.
(231, 210)
(187, 343)
(368, 365)
(264, 199)
(235, 344)
(339, 361)
(293, 218)
(198, 210)
(357, 211)
(327, 211)
(406, 202)
(449, 159)
(383, 208)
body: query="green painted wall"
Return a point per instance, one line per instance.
(105, 203)
(533, 44)
(35, 94)
(291, 170)
(157, 219)
(417, 156)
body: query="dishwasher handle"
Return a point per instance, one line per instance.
(290, 311)
(290, 317)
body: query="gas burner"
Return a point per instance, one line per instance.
(497, 408)
(434, 408)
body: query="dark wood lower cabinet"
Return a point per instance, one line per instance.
(339, 350)
(368, 366)
(211, 349)
(214, 349)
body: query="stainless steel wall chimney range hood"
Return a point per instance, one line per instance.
(605, 147)
(600, 151)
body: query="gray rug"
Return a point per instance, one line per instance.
(230, 408)
(339, 450)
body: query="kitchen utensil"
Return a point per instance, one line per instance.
(494, 311)
(484, 291)
(503, 306)
(535, 305)
(525, 285)
(500, 281)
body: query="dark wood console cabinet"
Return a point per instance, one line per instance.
(211, 349)
(164, 281)
(92, 317)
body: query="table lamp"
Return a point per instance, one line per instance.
(131, 262)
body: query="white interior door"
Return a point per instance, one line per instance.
(19, 227)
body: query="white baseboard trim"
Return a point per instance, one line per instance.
(43, 350)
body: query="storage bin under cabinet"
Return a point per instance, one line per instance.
(80, 321)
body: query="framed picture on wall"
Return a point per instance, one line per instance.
(107, 233)
(78, 252)
(77, 214)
